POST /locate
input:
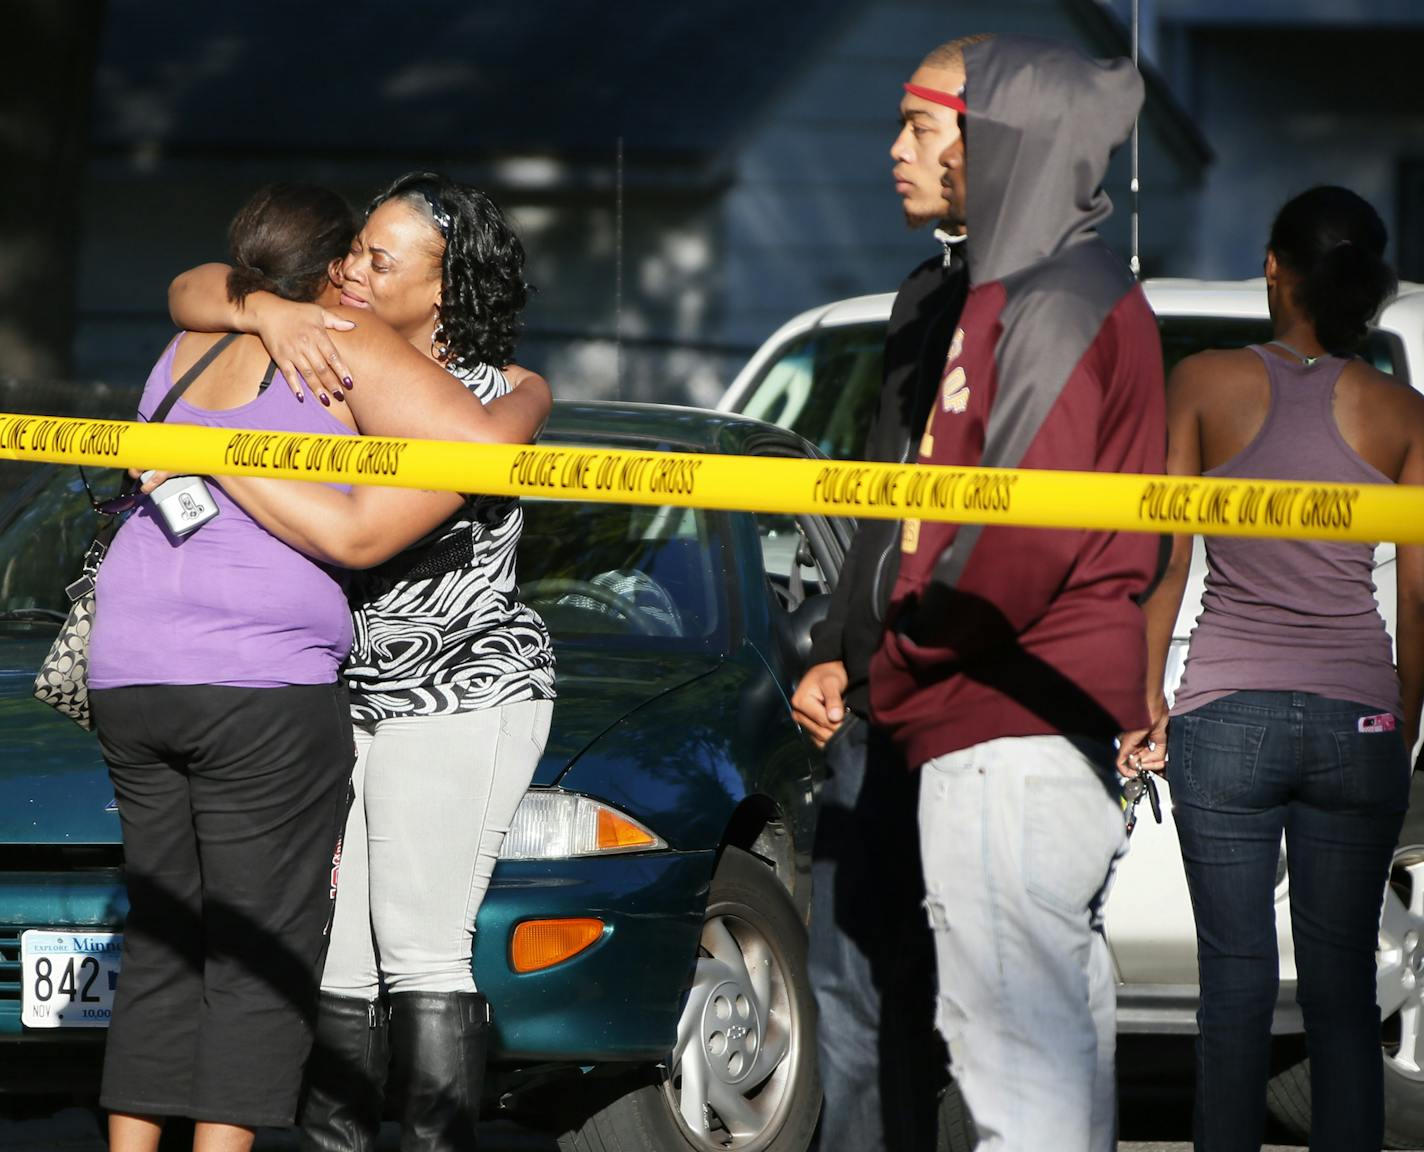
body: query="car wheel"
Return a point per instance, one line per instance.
(1400, 985)
(956, 1125)
(742, 1074)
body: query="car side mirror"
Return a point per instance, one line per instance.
(794, 629)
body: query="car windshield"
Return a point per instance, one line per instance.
(46, 528)
(625, 575)
(597, 573)
(824, 383)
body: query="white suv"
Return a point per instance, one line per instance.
(820, 375)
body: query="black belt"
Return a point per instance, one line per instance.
(447, 555)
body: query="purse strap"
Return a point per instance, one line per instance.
(185, 381)
(111, 524)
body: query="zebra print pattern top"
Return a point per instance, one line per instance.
(440, 628)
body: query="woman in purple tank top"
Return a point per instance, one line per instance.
(227, 730)
(1293, 718)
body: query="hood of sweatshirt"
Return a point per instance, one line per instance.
(1042, 122)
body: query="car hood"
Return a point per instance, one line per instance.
(598, 689)
(54, 788)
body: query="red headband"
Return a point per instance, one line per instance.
(935, 96)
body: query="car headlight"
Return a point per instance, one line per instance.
(551, 824)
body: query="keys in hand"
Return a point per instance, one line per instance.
(1132, 791)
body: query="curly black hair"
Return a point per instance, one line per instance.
(482, 270)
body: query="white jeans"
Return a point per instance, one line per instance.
(1019, 838)
(434, 799)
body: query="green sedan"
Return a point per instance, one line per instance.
(643, 941)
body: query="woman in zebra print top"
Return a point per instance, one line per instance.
(451, 678)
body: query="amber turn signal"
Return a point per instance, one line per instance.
(539, 944)
(615, 833)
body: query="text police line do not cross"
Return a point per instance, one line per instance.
(1024, 497)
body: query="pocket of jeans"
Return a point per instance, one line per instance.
(1218, 757)
(1065, 863)
(843, 729)
(1374, 768)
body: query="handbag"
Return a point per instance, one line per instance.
(63, 679)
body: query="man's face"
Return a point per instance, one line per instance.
(953, 183)
(926, 131)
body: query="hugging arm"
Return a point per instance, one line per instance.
(355, 529)
(405, 393)
(528, 403)
(415, 397)
(296, 335)
(390, 387)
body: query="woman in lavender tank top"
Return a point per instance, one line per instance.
(222, 716)
(214, 691)
(451, 678)
(1293, 718)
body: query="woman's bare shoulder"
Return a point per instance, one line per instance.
(366, 322)
(192, 346)
(1389, 392)
(371, 338)
(1205, 371)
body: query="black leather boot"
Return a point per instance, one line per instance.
(346, 1076)
(438, 1044)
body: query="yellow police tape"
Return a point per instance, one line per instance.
(1027, 497)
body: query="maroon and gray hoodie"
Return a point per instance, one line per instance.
(1006, 631)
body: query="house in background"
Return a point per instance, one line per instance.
(684, 178)
(1294, 93)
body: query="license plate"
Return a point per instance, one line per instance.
(67, 979)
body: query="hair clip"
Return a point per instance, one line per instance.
(437, 213)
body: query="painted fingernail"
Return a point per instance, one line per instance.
(301, 398)
(338, 393)
(326, 400)
(347, 381)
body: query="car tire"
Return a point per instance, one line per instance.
(745, 1058)
(1401, 987)
(1288, 1101)
(956, 1125)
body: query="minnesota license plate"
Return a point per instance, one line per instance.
(67, 979)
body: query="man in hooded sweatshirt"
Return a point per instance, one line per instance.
(870, 958)
(1013, 656)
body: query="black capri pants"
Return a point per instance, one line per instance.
(232, 802)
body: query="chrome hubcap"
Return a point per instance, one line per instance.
(1399, 980)
(730, 1074)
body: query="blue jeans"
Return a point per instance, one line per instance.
(1244, 770)
(871, 958)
